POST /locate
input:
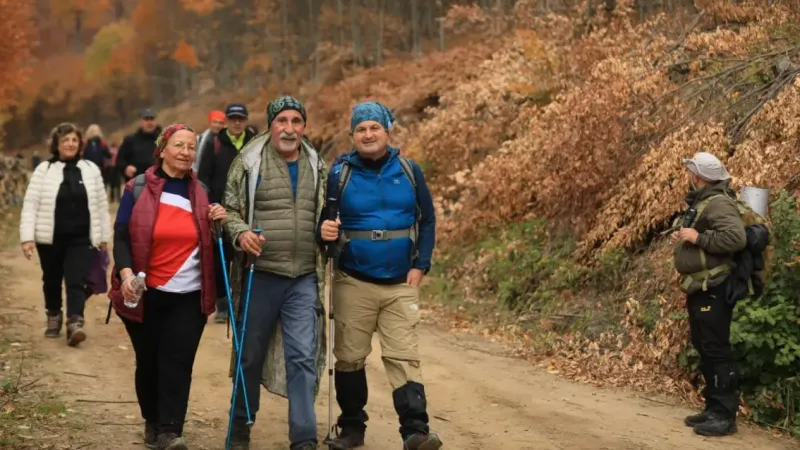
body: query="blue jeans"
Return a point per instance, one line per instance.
(294, 300)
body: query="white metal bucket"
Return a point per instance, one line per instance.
(756, 198)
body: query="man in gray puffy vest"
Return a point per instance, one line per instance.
(277, 183)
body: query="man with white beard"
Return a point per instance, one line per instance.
(278, 184)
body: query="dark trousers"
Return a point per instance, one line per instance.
(710, 317)
(166, 344)
(222, 296)
(67, 259)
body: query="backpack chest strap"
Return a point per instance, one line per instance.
(378, 235)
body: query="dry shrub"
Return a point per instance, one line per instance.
(653, 191)
(402, 85)
(769, 155)
(570, 153)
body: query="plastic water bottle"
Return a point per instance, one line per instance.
(138, 289)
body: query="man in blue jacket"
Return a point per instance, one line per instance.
(388, 228)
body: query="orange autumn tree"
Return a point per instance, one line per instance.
(17, 35)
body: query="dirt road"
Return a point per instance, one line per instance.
(477, 400)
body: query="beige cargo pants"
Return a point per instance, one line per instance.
(360, 309)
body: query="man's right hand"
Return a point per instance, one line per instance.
(330, 230)
(130, 171)
(251, 242)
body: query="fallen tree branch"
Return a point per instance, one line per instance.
(80, 374)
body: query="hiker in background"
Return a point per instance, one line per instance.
(289, 274)
(95, 149)
(136, 151)
(35, 160)
(387, 250)
(216, 122)
(219, 151)
(169, 234)
(113, 175)
(704, 247)
(65, 218)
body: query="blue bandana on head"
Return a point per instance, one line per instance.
(371, 111)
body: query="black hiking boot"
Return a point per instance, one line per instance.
(351, 395)
(150, 435)
(75, 333)
(421, 441)
(240, 436)
(696, 419)
(171, 441)
(716, 425)
(349, 438)
(54, 322)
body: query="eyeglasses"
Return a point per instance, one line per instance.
(191, 146)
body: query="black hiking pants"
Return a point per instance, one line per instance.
(710, 317)
(66, 260)
(165, 344)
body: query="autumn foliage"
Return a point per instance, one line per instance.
(18, 37)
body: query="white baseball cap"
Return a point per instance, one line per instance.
(707, 166)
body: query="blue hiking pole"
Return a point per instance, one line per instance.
(236, 343)
(239, 353)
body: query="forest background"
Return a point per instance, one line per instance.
(550, 132)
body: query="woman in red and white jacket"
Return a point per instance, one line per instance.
(166, 233)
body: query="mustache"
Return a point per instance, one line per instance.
(285, 135)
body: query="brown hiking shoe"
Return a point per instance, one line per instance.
(420, 441)
(75, 333)
(53, 325)
(349, 438)
(171, 441)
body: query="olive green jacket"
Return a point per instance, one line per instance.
(238, 202)
(721, 235)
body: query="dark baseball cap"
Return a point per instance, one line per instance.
(236, 110)
(147, 113)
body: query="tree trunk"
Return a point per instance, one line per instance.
(340, 9)
(354, 29)
(313, 37)
(415, 29)
(379, 38)
(287, 69)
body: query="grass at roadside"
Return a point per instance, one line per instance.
(32, 416)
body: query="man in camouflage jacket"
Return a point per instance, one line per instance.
(278, 184)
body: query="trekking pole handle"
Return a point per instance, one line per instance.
(332, 213)
(217, 224)
(332, 208)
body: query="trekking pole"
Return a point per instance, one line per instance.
(239, 351)
(332, 251)
(237, 345)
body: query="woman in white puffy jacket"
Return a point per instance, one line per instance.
(65, 218)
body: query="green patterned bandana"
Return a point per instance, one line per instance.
(284, 103)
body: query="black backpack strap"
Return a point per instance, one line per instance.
(344, 177)
(408, 168)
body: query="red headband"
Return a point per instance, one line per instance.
(167, 133)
